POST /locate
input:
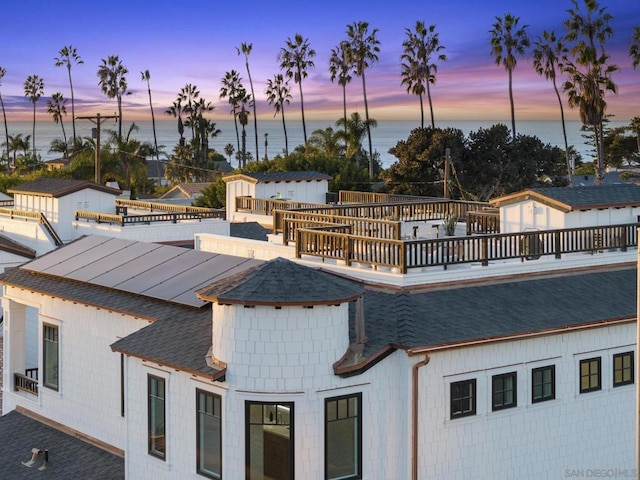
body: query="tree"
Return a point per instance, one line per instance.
(146, 77)
(243, 118)
(634, 49)
(112, 75)
(326, 140)
(278, 94)
(176, 110)
(33, 89)
(634, 127)
(68, 56)
(295, 58)
(507, 43)
(3, 72)
(233, 90)
(56, 107)
(547, 54)
(417, 69)
(589, 70)
(354, 131)
(245, 49)
(340, 70)
(228, 150)
(16, 143)
(420, 166)
(362, 53)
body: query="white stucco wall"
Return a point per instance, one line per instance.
(27, 232)
(588, 431)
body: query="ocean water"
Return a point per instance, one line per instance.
(385, 136)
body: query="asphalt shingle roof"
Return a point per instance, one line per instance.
(69, 457)
(11, 246)
(250, 230)
(472, 313)
(59, 187)
(282, 282)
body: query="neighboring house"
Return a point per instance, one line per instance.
(185, 193)
(155, 172)
(13, 253)
(301, 187)
(57, 164)
(200, 365)
(568, 207)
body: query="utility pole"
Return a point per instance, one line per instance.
(97, 121)
(447, 159)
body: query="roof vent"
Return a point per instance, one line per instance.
(35, 455)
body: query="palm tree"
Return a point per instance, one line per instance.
(340, 70)
(278, 94)
(56, 107)
(176, 110)
(16, 143)
(243, 118)
(231, 89)
(245, 49)
(507, 43)
(3, 72)
(295, 58)
(417, 69)
(634, 49)
(326, 140)
(146, 77)
(68, 56)
(589, 70)
(228, 150)
(363, 52)
(355, 129)
(34, 88)
(547, 54)
(112, 75)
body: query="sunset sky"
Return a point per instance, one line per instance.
(195, 42)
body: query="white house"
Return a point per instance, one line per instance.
(568, 207)
(199, 365)
(302, 187)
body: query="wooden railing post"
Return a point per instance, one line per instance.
(557, 245)
(484, 248)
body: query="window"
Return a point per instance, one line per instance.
(269, 440)
(209, 434)
(156, 434)
(543, 384)
(622, 369)
(463, 398)
(504, 391)
(50, 356)
(590, 375)
(343, 437)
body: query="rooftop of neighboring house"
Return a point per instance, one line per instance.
(186, 190)
(11, 246)
(59, 187)
(69, 457)
(577, 198)
(267, 177)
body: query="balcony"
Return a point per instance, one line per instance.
(27, 382)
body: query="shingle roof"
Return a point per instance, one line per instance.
(11, 246)
(472, 313)
(578, 198)
(189, 190)
(59, 187)
(69, 457)
(250, 230)
(266, 177)
(282, 282)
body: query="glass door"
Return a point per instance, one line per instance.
(269, 453)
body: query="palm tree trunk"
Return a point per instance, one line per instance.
(235, 122)
(513, 111)
(119, 118)
(33, 136)
(73, 107)
(421, 111)
(284, 127)
(433, 122)
(599, 173)
(564, 131)
(6, 128)
(366, 114)
(255, 118)
(304, 125)
(344, 115)
(155, 138)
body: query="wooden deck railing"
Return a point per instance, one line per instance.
(266, 206)
(486, 220)
(122, 204)
(348, 196)
(33, 216)
(482, 249)
(123, 220)
(27, 382)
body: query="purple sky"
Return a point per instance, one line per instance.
(195, 42)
